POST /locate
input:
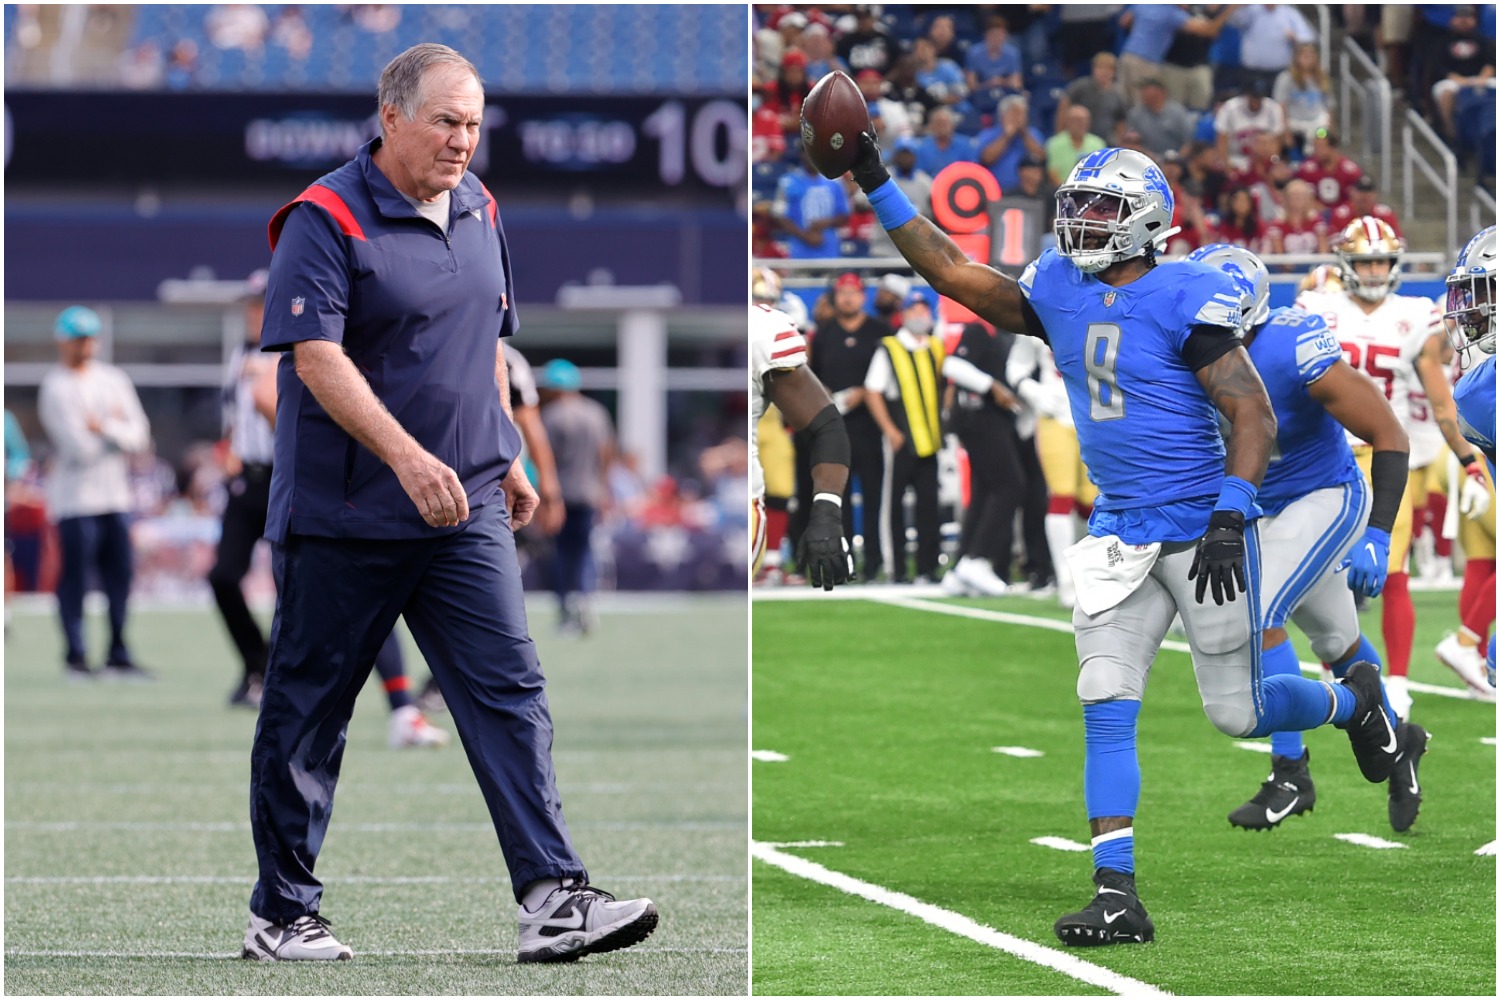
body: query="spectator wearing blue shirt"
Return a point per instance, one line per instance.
(810, 208)
(395, 493)
(1003, 146)
(941, 78)
(943, 144)
(1268, 34)
(993, 66)
(1152, 29)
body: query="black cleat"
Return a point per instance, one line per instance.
(77, 670)
(1406, 794)
(247, 695)
(1115, 916)
(1287, 792)
(1370, 731)
(121, 670)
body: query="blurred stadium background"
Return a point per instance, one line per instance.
(146, 146)
(1436, 186)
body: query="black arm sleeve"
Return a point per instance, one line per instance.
(1388, 482)
(828, 442)
(1207, 344)
(1033, 322)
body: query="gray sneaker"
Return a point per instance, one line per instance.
(304, 939)
(577, 919)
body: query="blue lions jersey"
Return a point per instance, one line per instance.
(1147, 431)
(1292, 350)
(1475, 399)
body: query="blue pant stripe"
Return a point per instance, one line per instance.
(1316, 562)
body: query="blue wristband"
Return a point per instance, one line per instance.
(891, 206)
(1236, 495)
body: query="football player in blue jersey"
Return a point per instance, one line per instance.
(1317, 512)
(1150, 355)
(1470, 317)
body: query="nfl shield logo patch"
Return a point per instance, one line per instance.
(297, 305)
(1109, 299)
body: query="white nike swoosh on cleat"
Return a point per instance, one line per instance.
(1117, 892)
(1276, 817)
(1110, 918)
(1415, 789)
(1390, 746)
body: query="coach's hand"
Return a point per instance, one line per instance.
(823, 553)
(1220, 558)
(433, 487)
(1366, 563)
(868, 170)
(521, 499)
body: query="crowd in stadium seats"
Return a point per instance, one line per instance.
(677, 48)
(1233, 100)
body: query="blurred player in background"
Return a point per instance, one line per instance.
(1470, 319)
(1395, 340)
(779, 375)
(94, 419)
(582, 438)
(1316, 508)
(772, 443)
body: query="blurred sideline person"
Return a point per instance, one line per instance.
(252, 445)
(1394, 339)
(772, 442)
(983, 413)
(396, 493)
(779, 375)
(408, 726)
(582, 438)
(902, 391)
(1469, 316)
(17, 465)
(839, 355)
(94, 419)
(1317, 508)
(1177, 511)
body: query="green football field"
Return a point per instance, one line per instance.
(129, 863)
(895, 851)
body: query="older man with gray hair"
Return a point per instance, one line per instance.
(395, 493)
(1010, 140)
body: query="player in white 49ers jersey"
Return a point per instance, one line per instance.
(779, 374)
(1399, 341)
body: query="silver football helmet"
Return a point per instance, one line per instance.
(1470, 313)
(1115, 205)
(1249, 276)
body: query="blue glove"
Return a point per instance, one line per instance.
(1366, 563)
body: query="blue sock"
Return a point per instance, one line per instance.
(1365, 653)
(1297, 703)
(1111, 777)
(1281, 661)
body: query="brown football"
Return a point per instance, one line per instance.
(833, 115)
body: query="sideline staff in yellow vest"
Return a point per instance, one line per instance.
(903, 391)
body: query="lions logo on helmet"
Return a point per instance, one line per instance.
(1115, 205)
(1369, 239)
(1248, 274)
(1470, 312)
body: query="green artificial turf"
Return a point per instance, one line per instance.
(129, 863)
(888, 716)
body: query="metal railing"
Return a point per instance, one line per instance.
(1325, 33)
(1373, 92)
(1446, 183)
(1481, 209)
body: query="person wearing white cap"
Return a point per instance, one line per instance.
(94, 420)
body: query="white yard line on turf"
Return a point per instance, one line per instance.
(1487, 740)
(1017, 751)
(1365, 840)
(217, 955)
(71, 826)
(1052, 624)
(341, 880)
(769, 756)
(957, 923)
(1487, 849)
(1253, 747)
(1060, 844)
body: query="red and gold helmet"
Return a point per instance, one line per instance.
(1369, 239)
